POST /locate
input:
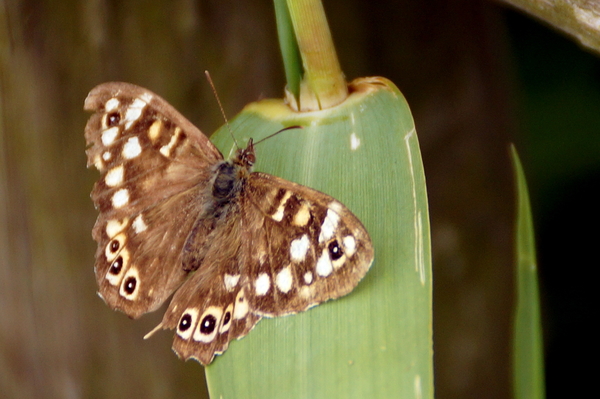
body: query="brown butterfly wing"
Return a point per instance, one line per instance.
(305, 247)
(155, 166)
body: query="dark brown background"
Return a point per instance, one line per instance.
(477, 77)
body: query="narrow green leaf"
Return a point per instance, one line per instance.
(375, 342)
(289, 48)
(528, 357)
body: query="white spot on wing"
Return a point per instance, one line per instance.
(240, 309)
(114, 227)
(230, 281)
(262, 284)
(139, 225)
(98, 163)
(111, 104)
(147, 97)
(308, 277)
(307, 291)
(299, 247)
(134, 112)
(109, 135)
(302, 217)
(349, 245)
(154, 130)
(114, 177)
(278, 215)
(284, 280)
(335, 206)
(132, 148)
(106, 155)
(166, 149)
(120, 198)
(324, 266)
(329, 224)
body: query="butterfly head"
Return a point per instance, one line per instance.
(245, 157)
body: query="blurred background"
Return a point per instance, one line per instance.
(477, 75)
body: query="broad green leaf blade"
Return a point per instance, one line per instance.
(528, 357)
(375, 342)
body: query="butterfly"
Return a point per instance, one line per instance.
(230, 245)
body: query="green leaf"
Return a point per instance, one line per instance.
(528, 357)
(375, 342)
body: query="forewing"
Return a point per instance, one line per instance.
(304, 247)
(154, 166)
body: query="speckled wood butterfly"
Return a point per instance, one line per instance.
(232, 244)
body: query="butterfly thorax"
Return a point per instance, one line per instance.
(230, 175)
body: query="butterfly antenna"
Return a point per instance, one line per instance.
(221, 107)
(277, 132)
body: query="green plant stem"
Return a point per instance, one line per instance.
(292, 61)
(323, 84)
